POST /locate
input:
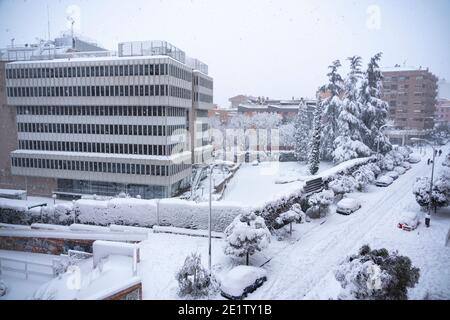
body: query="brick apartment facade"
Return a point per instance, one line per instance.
(411, 94)
(443, 112)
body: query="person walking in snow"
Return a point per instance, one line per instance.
(440, 152)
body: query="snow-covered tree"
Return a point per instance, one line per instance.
(319, 203)
(332, 106)
(343, 184)
(315, 140)
(440, 196)
(376, 275)
(348, 144)
(193, 279)
(374, 110)
(287, 134)
(363, 176)
(287, 218)
(246, 235)
(302, 132)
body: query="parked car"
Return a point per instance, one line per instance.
(383, 181)
(414, 158)
(347, 206)
(400, 170)
(408, 221)
(242, 280)
(405, 165)
(393, 174)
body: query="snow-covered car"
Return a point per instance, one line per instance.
(242, 280)
(400, 170)
(255, 163)
(405, 165)
(414, 158)
(408, 221)
(347, 206)
(393, 174)
(383, 181)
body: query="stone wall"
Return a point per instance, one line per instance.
(45, 245)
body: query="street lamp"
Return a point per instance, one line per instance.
(428, 215)
(378, 140)
(211, 167)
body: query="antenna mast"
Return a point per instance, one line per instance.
(48, 23)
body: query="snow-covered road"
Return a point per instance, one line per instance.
(304, 269)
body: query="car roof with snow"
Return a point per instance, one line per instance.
(239, 278)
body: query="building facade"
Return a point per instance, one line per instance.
(442, 112)
(110, 124)
(411, 94)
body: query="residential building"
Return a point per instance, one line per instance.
(105, 124)
(288, 109)
(237, 100)
(411, 94)
(442, 112)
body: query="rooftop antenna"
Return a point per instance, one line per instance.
(12, 42)
(72, 22)
(48, 23)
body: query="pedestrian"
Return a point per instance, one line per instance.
(440, 152)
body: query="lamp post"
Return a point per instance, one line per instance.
(211, 167)
(428, 215)
(378, 140)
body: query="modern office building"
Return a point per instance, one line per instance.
(411, 94)
(132, 122)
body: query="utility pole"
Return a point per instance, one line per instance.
(428, 215)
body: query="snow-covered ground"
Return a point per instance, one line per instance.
(301, 266)
(20, 288)
(256, 184)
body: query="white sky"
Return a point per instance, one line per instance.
(277, 48)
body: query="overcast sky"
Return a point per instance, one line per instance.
(278, 49)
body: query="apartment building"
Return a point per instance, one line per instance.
(442, 116)
(130, 123)
(411, 94)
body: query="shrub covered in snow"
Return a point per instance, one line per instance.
(343, 184)
(319, 203)
(298, 209)
(376, 274)
(363, 176)
(246, 235)
(193, 279)
(3, 288)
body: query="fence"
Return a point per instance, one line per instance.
(26, 267)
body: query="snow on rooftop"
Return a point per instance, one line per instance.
(87, 59)
(405, 68)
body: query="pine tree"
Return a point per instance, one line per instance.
(348, 144)
(315, 139)
(302, 132)
(331, 108)
(374, 110)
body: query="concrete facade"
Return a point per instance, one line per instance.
(107, 125)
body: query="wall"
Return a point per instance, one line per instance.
(44, 245)
(8, 143)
